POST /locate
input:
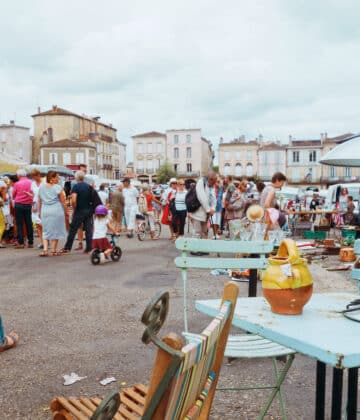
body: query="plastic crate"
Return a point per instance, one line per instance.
(309, 234)
(347, 233)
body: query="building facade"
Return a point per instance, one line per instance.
(239, 158)
(271, 159)
(15, 143)
(58, 124)
(69, 153)
(189, 153)
(149, 154)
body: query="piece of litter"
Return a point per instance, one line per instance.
(286, 269)
(219, 272)
(107, 380)
(123, 383)
(72, 378)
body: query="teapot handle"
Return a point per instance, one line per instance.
(288, 249)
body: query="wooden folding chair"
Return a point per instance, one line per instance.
(184, 377)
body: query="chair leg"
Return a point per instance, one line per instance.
(279, 381)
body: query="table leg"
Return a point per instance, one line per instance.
(320, 390)
(336, 398)
(352, 394)
(253, 283)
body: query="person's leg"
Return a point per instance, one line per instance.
(54, 244)
(76, 222)
(204, 230)
(127, 211)
(29, 225)
(80, 235)
(7, 341)
(131, 219)
(46, 246)
(2, 227)
(2, 333)
(182, 222)
(88, 224)
(19, 216)
(175, 223)
(39, 231)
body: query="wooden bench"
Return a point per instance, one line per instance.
(254, 257)
(184, 377)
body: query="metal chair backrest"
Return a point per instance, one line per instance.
(257, 249)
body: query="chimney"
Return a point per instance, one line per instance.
(221, 140)
(325, 136)
(39, 110)
(260, 138)
(12, 122)
(54, 108)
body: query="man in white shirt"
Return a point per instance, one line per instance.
(131, 195)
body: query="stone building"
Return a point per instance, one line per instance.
(58, 124)
(189, 153)
(271, 159)
(15, 143)
(239, 158)
(149, 153)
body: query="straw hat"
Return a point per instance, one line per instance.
(255, 212)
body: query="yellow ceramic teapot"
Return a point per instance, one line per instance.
(287, 283)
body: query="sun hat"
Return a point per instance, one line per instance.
(255, 212)
(173, 181)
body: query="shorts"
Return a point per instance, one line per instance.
(101, 243)
(217, 218)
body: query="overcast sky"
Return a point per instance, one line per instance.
(275, 67)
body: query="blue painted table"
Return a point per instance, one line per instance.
(320, 332)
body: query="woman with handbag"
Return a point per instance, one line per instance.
(167, 216)
(178, 210)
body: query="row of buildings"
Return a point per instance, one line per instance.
(298, 159)
(62, 137)
(189, 154)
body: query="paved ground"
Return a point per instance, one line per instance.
(74, 317)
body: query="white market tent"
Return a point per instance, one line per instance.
(345, 154)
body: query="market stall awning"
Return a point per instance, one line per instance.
(346, 154)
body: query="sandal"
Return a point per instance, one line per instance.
(9, 341)
(64, 251)
(56, 253)
(44, 254)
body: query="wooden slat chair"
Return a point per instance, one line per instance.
(183, 380)
(239, 346)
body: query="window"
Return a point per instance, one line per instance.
(277, 157)
(149, 148)
(238, 155)
(227, 155)
(227, 169)
(66, 159)
(188, 139)
(140, 164)
(176, 167)
(249, 169)
(176, 139)
(176, 153)
(140, 148)
(159, 147)
(295, 174)
(238, 170)
(348, 172)
(149, 164)
(296, 156)
(265, 159)
(53, 158)
(189, 167)
(188, 152)
(332, 171)
(312, 156)
(79, 158)
(249, 154)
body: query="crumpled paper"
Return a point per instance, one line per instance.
(107, 381)
(72, 378)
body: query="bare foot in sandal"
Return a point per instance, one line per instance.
(9, 341)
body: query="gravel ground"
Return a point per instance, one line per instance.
(74, 317)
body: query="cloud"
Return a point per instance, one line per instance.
(231, 68)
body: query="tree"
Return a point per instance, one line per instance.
(215, 168)
(164, 173)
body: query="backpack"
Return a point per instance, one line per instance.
(143, 208)
(95, 200)
(191, 201)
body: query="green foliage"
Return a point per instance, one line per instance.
(215, 168)
(164, 173)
